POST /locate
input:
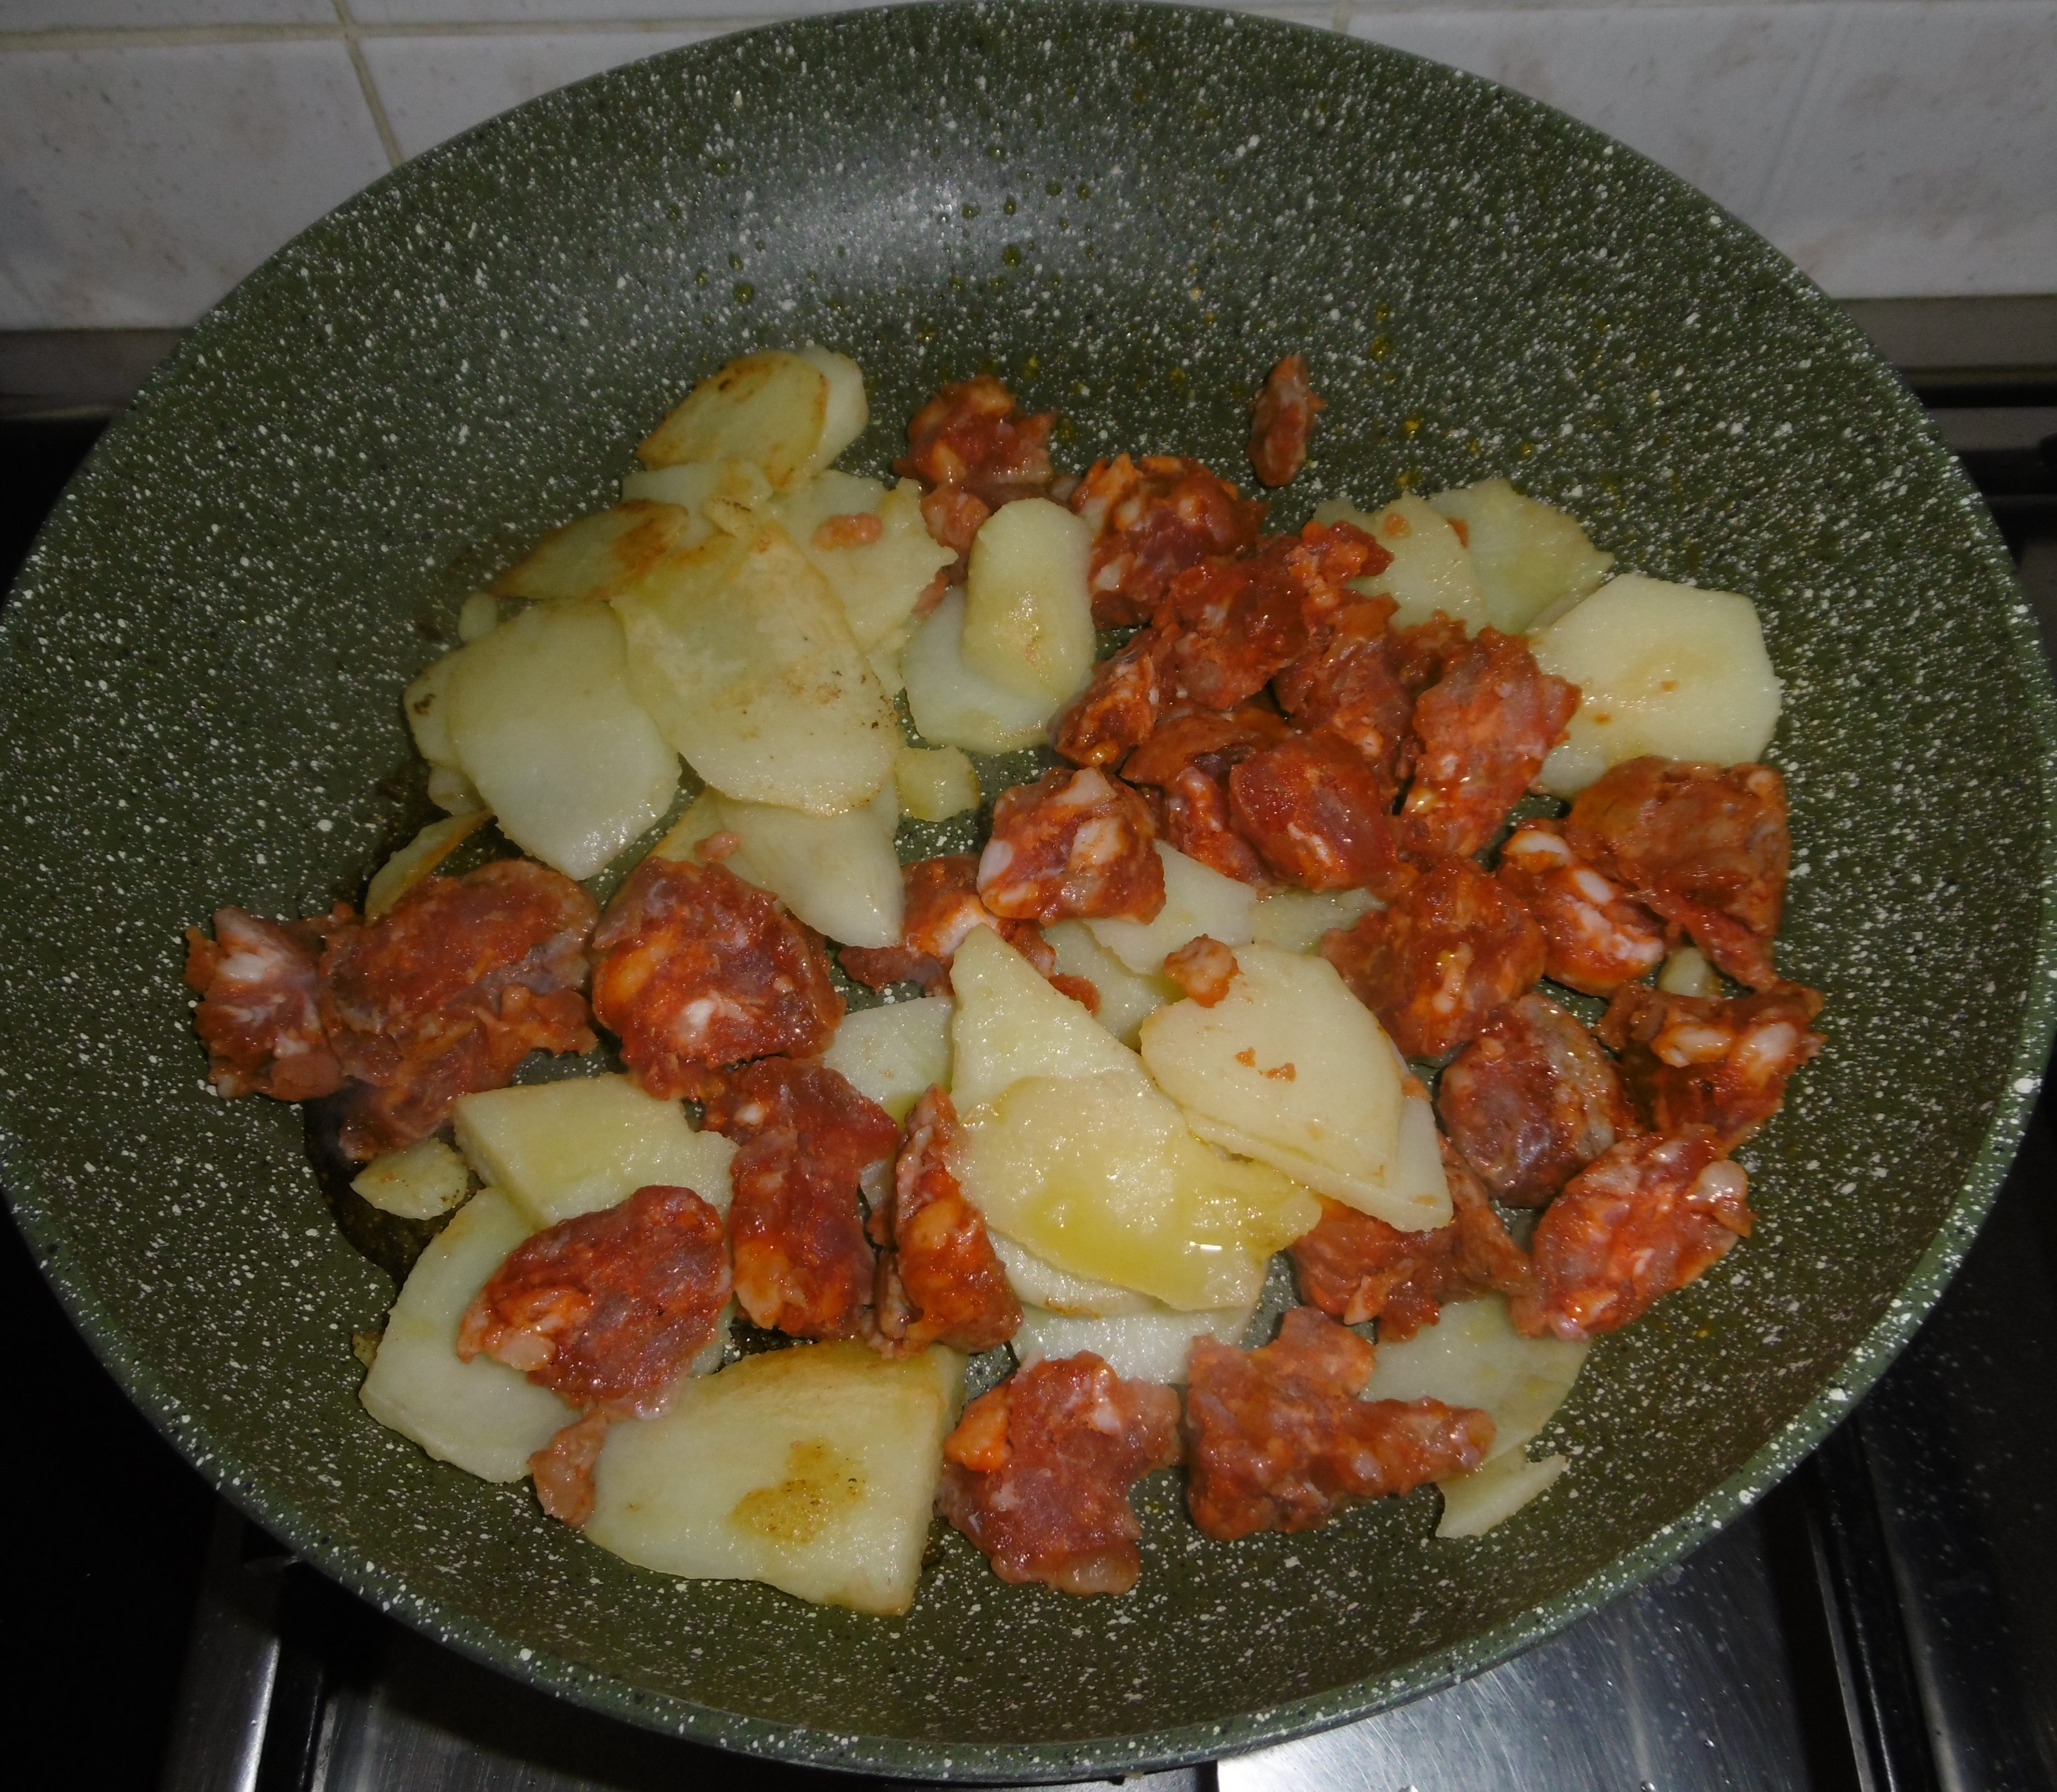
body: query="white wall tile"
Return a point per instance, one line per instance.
(1924, 160)
(576, 12)
(138, 185)
(432, 88)
(1707, 91)
(49, 15)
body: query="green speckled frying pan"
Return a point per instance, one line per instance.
(1130, 211)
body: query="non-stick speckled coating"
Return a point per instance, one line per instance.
(1129, 212)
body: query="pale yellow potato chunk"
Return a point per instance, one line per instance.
(418, 1182)
(1126, 996)
(427, 704)
(1289, 1067)
(1661, 668)
(1028, 620)
(1687, 973)
(877, 582)
(1472, 1356)
(695, 484)
(849, 410)
(601, 556)
(1294, 920)
(418, 858)
(772, 408)
(895, 1052)
(838, 874)
(450, 790)
(1010, 1024)
(813, 1468)
(1418, 1184)
(542, 722)
(1150, 1346)
(1198, 899)
(1527, 556)
(1431, 568)
(1038, 1284)
(558, 1150)
(481, 1415)
(744, 659)
(479, 614)
(1475, 1503)
(958, 705)
(1099, 1175)
(936, 783)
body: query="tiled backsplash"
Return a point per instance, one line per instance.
(152, 152)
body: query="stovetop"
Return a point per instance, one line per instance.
(1885, 1621)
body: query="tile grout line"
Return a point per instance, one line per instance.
(387, 140)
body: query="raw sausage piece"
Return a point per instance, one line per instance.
(1072, 845)
(1706, 846)
(939, 1281)
(1151, 522)
(1645, 1218)
(1038, 1471)
(563, 1468)
(1278, 1439)
(1319, 813)
(1531, 1101)
(1595, 938)
(1346, 683)
(1117, 711)
(1203, 968)
(1453, 951)
(697, 969)
(1421, 653)
(969, 436)
(1481, 733)
(607, 1309)
(1280, 417)
(1703, 1061)
(1188, 759)
(1217, 739)
(448, 991)
(259, 1009)
(803, 1264)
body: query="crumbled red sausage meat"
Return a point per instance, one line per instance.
(259, 1009)
(1279, 1439)
(1319, 813)
(1072, 845)
(1595, 938)
(1152, 520)
(609, 1307)
(448, 991)
(1203, 968)
(1038, 1473)
(969, 435)
(1706, 846)
(803, 1264)
(1453, 951)
(1531, 1101)
(697, 969)
(939, 1282)
(1701, 1061)
(1481, 733)
(1280, 417)
(563, 1468)
(1644, 1220)
(1345, 683)
(1116, 711)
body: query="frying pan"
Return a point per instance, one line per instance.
(1129, 212)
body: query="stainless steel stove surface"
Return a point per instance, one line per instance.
(1886, 1620)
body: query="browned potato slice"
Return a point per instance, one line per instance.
(789, 413)
(416, 859)
(602, 555)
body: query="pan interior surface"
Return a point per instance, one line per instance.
(1128, 213)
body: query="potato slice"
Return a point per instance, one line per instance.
(838, 874)
(1472, 1356)
(958, 707)
(1289, 1067)
(697, 484)
(450, 790)
(813, 1468)
(1431, 568)
(849, 410)
(1661, 668)
(560, 1149)
(481, 1415)
(1418, 1184)
(936, 783)
(1476, 1502)
(423, 1181)
(1099, 1175)
(877, 582)
(1198, 899)
(771, 409)
(1139, 1347)
(542, 724)
(1294, 920)
(1028, 623)
(479, 614)
(427, 702)
(1041, 1285)
(418, 858)
(894, 1052)
(1009, 1024)
(1527, 556)
(600, 556)
(742, 656)
(1126, 996)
